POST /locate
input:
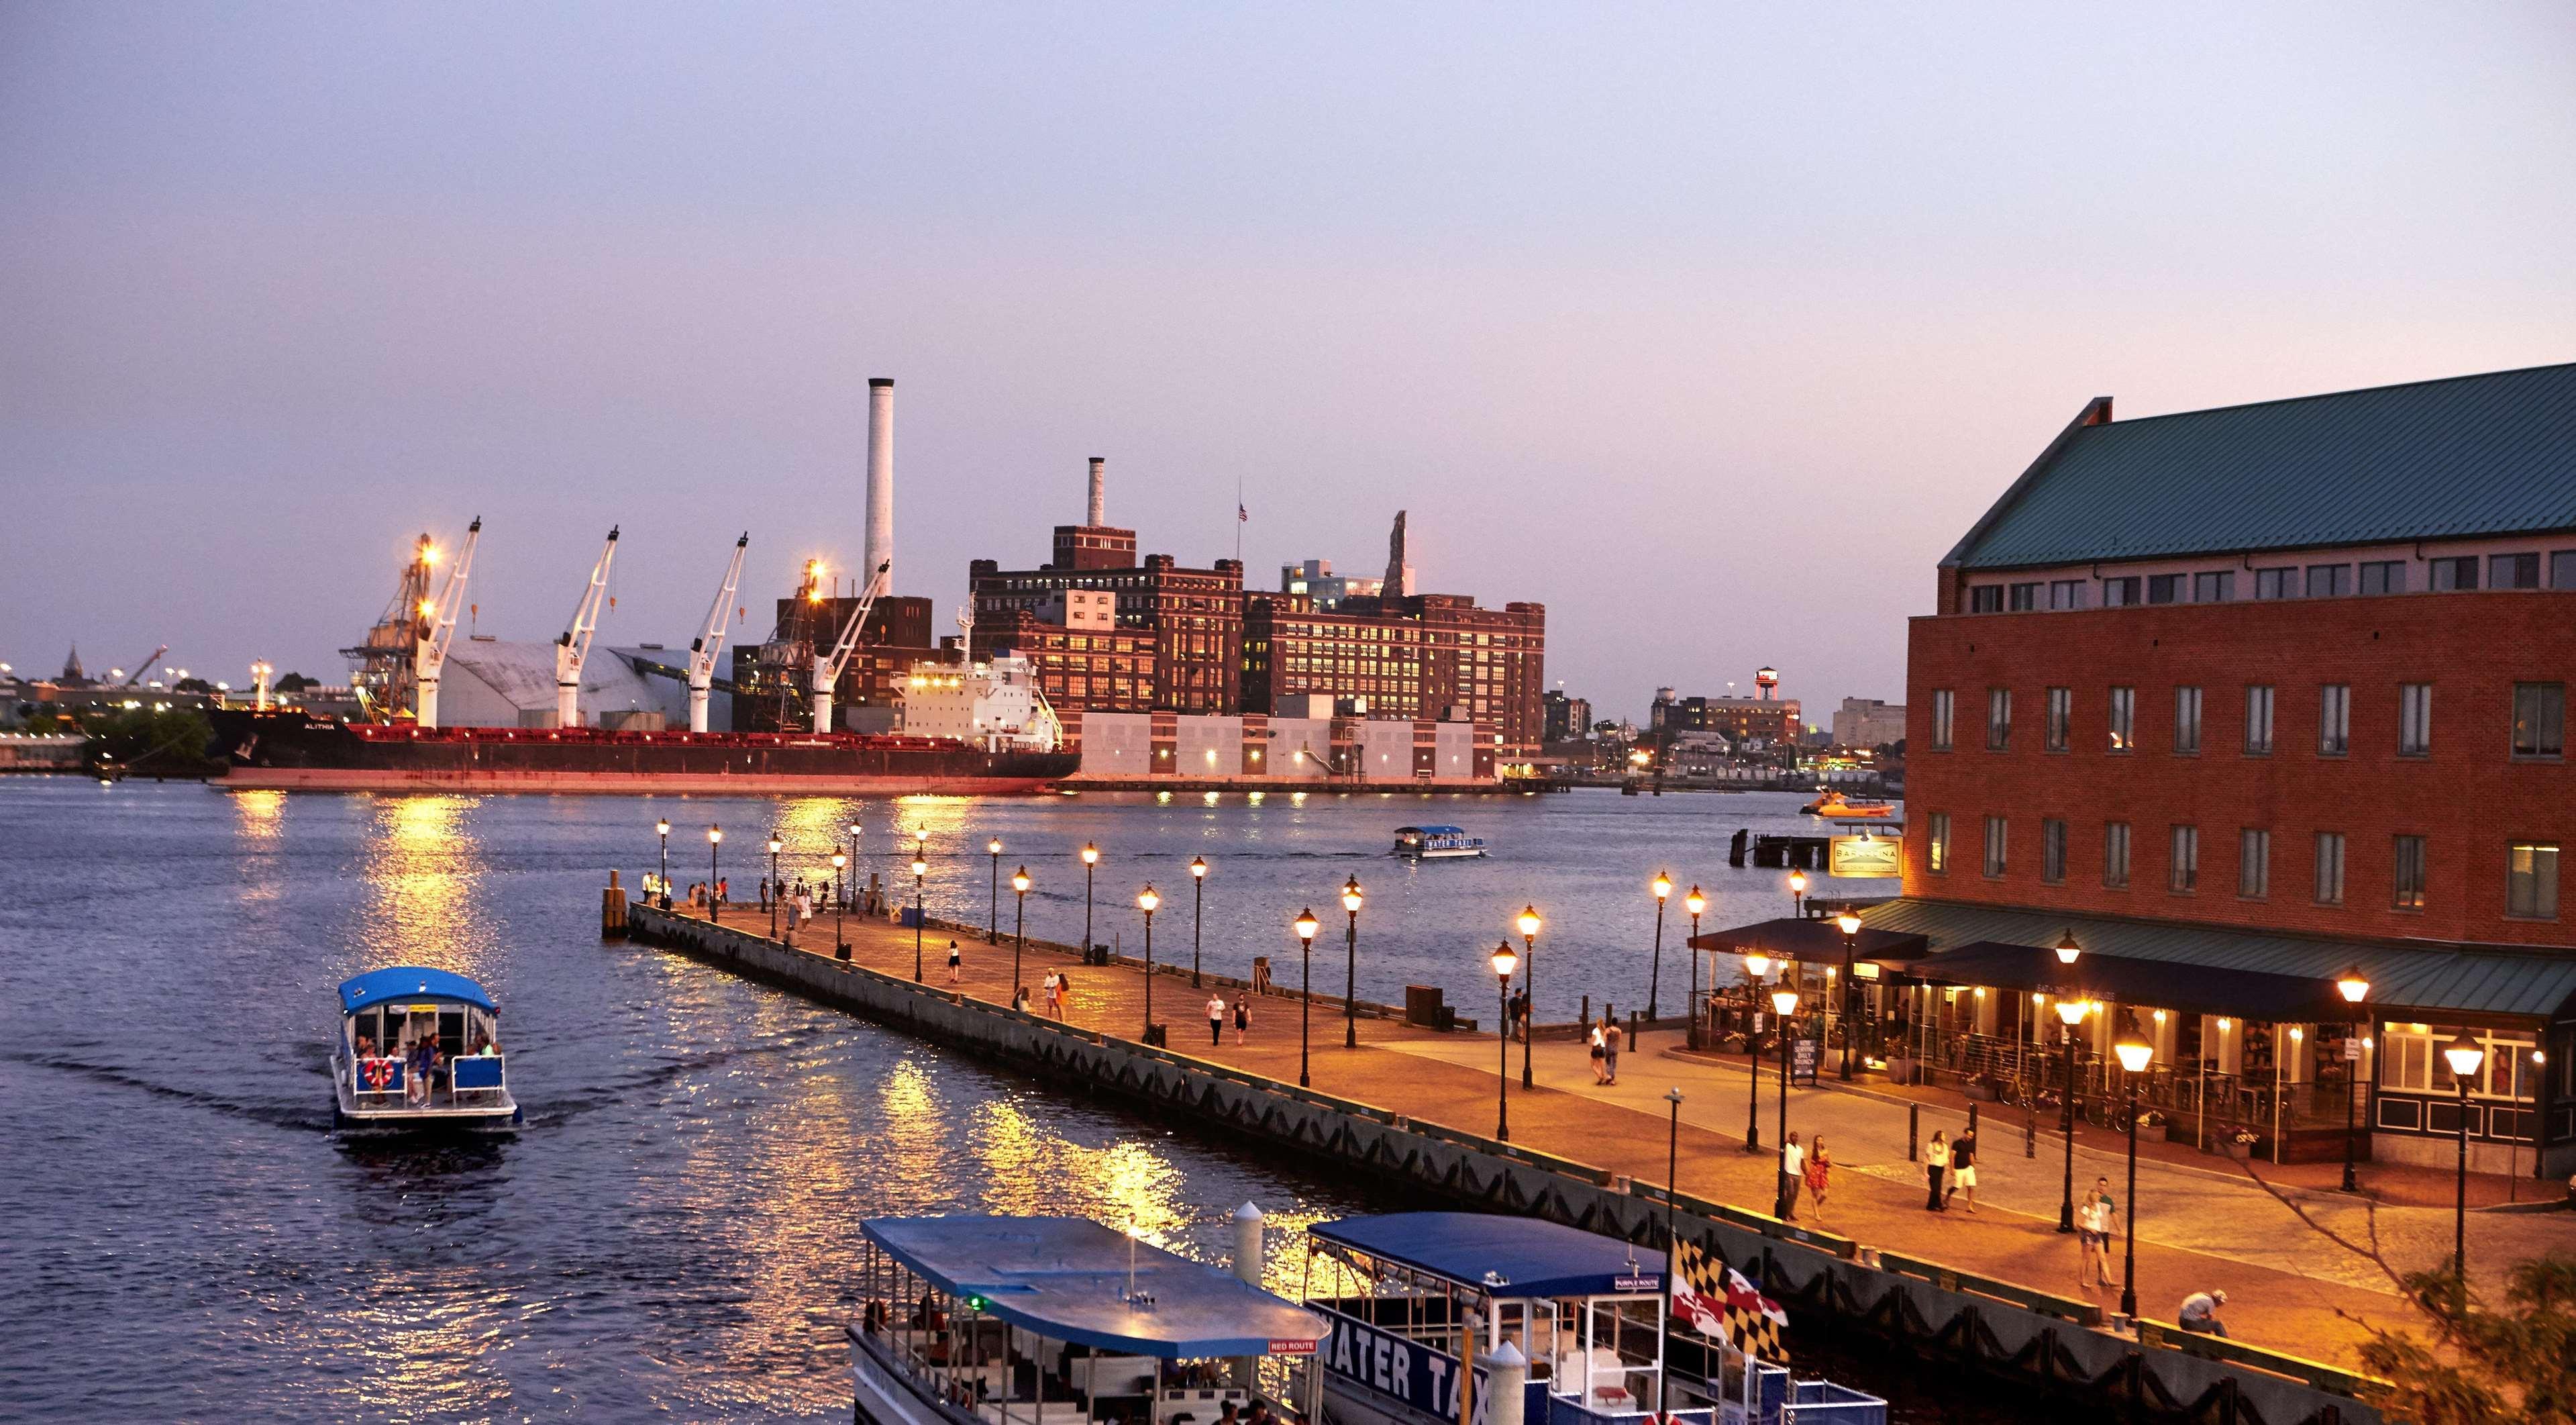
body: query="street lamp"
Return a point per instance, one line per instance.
(1663, 888)
(1506, 960)
(1849, 925)
(715, 838)
(663, 827)
(993, 906)
(2070, 1013)
(1351, 970)
(1306, 927)
(1090, 859)
(2067, 949)
(1798, 894)
(1019, 925)
(2465, 1056)
(773, 897)
(920, 868)
(1694, 903)
(840, 893)
(1146, 900)
(1672, 1161)
(2134, 1056)
(840, 909)
(1198, 912)
(1785, 1001)
(2354, 989)
(1756, 965)
(1529, 924)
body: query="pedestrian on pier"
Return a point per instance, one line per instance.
(1936, 1166)
(1613, 1039)
(1793, 1173)
(955, 963)
(1820, 1175)
(2200, 1313)
(1521, 1013)
(1242, 1017)
(724, 890)
(1599, 1075)
(1963, 1169)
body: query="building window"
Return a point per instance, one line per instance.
(1986, 599)
(1998, 719)
(2562, 570)
(1936, 846)
(2025, 597)
(2253, 864)
(2258, 720)
(2115, 853)
(2405, 1059)
(2329, 868)
(1994, 847)
(2329, 581)
(2385, 576)
(2451, 574)
(2334, 720)
(2183, 875)
(2215, 588)
(2513, 571)
(2531, 880)
(2123, 591)
(1941, 719)
(2164, 588)
(2408, 877)
(2539, 719)
(2276, 583)
(2066, 594)
(2061, 714)
(2186, 721)
(2124, 713)
(2052, 851)
(2414, 719)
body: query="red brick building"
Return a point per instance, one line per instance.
(1419, 656)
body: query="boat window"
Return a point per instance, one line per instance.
(451, 1032)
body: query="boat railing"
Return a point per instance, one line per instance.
(473, 1080)
(1566, 1410)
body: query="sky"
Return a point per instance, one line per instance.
(1709, 327)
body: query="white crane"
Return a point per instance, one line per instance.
(702, 653)
(827, 667)
(574, 645)
(435, 626)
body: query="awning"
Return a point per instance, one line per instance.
(1815, 941)
(2147, 984)
(1507, 1256)
(410, 982)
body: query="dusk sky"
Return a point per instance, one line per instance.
(1711, 330)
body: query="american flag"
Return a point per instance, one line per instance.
(1241, 514)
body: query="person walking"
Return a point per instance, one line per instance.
(1936, 1166)
(1963, 1169)
(1054, 996)
(1242, 1017)
(1820, 1175)
(2106, 1220)
(1793, 1171)
(956, 963)
(1613, 1038)
(1520, 1013)
(1216, 1020)
(1599, 1076)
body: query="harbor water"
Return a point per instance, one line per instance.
(671, 1235)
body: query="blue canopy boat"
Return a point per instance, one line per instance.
(977, 1320)
(419, 1049)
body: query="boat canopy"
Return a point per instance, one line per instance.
(1512, 1257)
(410, 982)
(1431, 830)
(1065, 1278)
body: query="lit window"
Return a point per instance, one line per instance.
(1936, 846)
(2531, 881)
(2123, 718)
(2407, 875)
(2539, 719)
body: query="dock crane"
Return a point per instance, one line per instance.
(145, 666)
(434, 623)
(827, 667)
(702, 652)
(573, 645)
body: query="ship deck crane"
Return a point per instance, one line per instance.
(702, 653)
(573, 646)
(434, 624)
(827, 667)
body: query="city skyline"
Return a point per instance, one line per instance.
(1706, 335)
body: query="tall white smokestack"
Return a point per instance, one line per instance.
(879, 547)
(1099, 494)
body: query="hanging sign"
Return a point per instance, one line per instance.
(1867, 857)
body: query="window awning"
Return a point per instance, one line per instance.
(2147, 984)
(1815, 941)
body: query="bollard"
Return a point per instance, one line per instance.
(1247, 1244)
(2030, 1136)
(612, 909)
(1586, 1018)
(1913, 1132)
(1505, 1369)
(1972, 1115)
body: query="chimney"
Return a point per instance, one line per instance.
(879, 545)
(1099, 494)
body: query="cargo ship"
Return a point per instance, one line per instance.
(289, 749)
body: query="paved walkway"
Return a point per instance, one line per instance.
(2292, 1262)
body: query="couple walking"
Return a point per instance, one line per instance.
(1807, 1166)
(1955, 1161)
(1216, 1018)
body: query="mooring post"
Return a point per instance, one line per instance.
(2030, 1137)
(612, 908)
(1913, 1132)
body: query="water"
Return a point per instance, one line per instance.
(672, 1233)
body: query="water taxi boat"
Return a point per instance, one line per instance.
(1056, 1321)
(419, 1049)
(1436, 843)
(1830, 803)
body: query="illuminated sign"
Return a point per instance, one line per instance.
(1866, 857)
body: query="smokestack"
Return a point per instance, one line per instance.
(879, 546)
(1099, 494)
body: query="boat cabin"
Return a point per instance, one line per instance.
(415, 1041)
(1416, 843)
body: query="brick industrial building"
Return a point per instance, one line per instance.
(1426, 656)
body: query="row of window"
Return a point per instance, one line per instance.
(2539, 727)
(2531, 867)
(2289, 581)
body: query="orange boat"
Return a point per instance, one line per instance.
(1835, 804)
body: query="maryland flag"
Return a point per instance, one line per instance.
(1715, 1300)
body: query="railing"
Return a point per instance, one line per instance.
(382, 1082)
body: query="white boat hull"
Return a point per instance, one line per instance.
(493, 1111)
(883, 1398)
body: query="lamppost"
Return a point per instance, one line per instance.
(772, 897)
(993, 907)
(1798, 894)
(2354, 989)
(840, 909)
(920, 868)
(1090, 859)
(1019, 924)
(2134, 1055)
(1529, 924)
(663, 828)
(1756, 965)
(1506, 960)
(842, 893)
(1694, 903)
(1785, 1001)
(2070, 1013)
(1672, 1161)
(715, 838)
(2465, 1056)
(1306, 927)
(1849, 925)
(1351, 969)
(1198, 910)
(1663, 888)
(1146, 900)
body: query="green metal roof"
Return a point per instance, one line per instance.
(2465, 456)
(2402, 978)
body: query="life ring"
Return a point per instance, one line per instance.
(378, 1074)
